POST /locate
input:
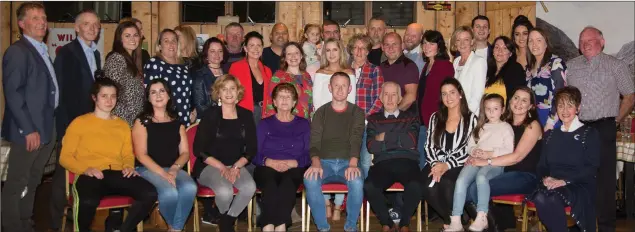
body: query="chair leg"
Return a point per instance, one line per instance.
(367, 216)
(303, 210)
(140, 226)
(196, 216)
(419, 217)
(253, 213)
(425, 203)
(308, 218)
(525, 219)
(64, 219)
(361, 218)
(249, 209)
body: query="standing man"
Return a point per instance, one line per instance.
(412, 40)
(601, 79)
(376, 30)
(330, 29)
(32, 95)
(480, 26)
(399, 69)
(271, 55)
(234, 36)
(75, 67)
(393, 137)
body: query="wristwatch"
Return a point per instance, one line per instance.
(489, 161)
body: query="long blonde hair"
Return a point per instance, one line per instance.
(343, 55)
(189, 39)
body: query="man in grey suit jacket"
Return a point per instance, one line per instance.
(31, 93)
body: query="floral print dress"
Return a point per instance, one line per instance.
(304, 86)
(549, 78)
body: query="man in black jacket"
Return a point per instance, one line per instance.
(392, 138)
(75, 67)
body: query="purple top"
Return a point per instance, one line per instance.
(283, 140)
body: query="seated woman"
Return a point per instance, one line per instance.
(448, 133)
(98, 148)
(567, 168)
(283, 155)
(162, 151)
(224, 143)
(519, 174)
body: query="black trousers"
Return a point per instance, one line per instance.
(384, 174)
(89, 191)
(278, 193)
(441, 196)
(606, 183)
(24, 175)
(551, 211)
(58, 192)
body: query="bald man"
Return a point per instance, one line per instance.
(400, 69)
(271, 55)
(602, 79)
(412, 44)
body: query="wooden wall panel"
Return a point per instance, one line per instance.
(446, 23)
(465, 12)
(5, 41)
(143, 12)
(15, 31)
(155, 27)
(170, 15)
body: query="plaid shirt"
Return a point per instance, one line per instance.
(369, 84)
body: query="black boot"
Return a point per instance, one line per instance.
(227, 223)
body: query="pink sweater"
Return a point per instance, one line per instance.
(496, 137)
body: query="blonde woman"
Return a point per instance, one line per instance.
(333, 59)
(187, 45)
(469, 69)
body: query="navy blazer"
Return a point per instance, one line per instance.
(75, 80)
(29, 92)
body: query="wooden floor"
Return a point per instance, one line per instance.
(42, 219)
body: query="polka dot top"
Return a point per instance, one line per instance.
(179, 81)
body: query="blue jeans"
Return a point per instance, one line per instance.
(365, 159)
(507, 183)
(175, 204)
(333, 172)
(480, 175)
(422, 145)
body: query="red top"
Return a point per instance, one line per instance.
(430, 88)
(240, 69)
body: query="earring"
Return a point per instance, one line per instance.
(219, 103)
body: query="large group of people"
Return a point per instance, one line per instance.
(502, 118)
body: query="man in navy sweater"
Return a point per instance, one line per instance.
(392, 138)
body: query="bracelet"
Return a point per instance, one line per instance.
(235, 167)
(177, 165)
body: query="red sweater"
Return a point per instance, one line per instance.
(240, 69)
(430, 88)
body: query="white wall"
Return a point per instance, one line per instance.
(615, 19)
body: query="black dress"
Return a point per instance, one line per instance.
(573, 157)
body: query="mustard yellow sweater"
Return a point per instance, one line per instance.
(98, 143)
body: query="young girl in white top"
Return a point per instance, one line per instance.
(311, 39)
(491, 137)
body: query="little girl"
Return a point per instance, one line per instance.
(310, 42)
(491, 137)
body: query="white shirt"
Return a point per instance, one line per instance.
(321, 93)
(396, 113)
(482, 52)
(575, 124)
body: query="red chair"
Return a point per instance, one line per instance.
(108, 202)
(330, 189)
(530, 206)
(398, 187)
(515, 200)
(203, 191)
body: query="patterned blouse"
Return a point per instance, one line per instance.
(179, 81)
(304, 86)
(131, 95)
(550, 77)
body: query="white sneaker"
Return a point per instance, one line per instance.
(455, 224)
(480, 223)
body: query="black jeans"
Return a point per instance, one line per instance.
(278, 193)
(90, 190)
(384, 174)
(606, 183)
(441, 196)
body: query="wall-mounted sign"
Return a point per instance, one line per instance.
(437, 6)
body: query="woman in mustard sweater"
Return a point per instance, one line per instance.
(97, 147)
